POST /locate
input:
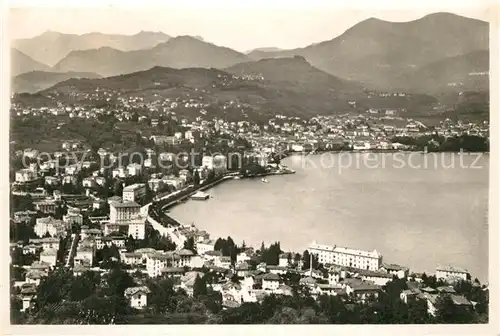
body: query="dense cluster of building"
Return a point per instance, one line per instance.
(358, 273)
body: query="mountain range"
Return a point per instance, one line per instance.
(232, 93)
(21, 63)
(179, 52)
(50, 47)
(35, 81)
(438, 53)
(376, 52)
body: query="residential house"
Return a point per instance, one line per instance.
(188, 280)
(285, 259)
(134, 169)
(308, 282)
(89, 182)
(134, 192)
(173, 272)
(47, 206)
(270, 281)
(245, 256)
(73, 217)
(409, 295)
(49, 256)
(213, 256)
(185, 256)
(54, 227)
(46, 243)
(378, 278)
(137, 296)
(277, 269)
(26, 176)
(156, 262)
(329, 289)
(254, 295)
(223, 261)
(451, 273)
(242, 269)
(360, 289)
(205, 246)
(34, 276)
(28, 294)
(400, 271)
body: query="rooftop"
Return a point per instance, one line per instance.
(345, 250)
(450, 268)
(134, 290)
(134, 186)
(125, 205)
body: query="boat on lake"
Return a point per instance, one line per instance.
(264, 180)
(236, 178)
(200, 196)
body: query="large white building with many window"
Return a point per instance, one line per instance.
(134, 192)
(336, 255)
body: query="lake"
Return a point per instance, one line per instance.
(417, 210)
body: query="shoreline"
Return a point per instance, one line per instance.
(214, 183)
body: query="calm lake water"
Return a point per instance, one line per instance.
(417, 210)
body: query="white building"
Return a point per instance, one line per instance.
(26, 175)
(134, 192)
(73, 217)
(55, 227)
(336, 255)
(49, 256)
(207, 162)
(126, 214)
(123, 211)
(137, 296)
(285, 259)
(205, 246)
(134, 169)
(400, 271)
(449, 272)
(121, 172)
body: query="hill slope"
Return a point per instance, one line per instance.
(21, 63)
(50, 47)
(376, 51)
(35, 81)
(179, 52)
(305, 92)
(295, 73)
(467, 72)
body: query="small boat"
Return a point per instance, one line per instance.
(200, 196)
(236, 178)
(264, 180)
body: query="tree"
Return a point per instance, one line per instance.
(199, 287)
(118, 188)
(118, 280)
(162, 298)
(306, 261)
(196, 178)
(189, 244)
(53, 288)
(84, 286)
(448, 312)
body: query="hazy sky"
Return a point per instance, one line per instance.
(240, 28)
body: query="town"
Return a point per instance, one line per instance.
(92, 240)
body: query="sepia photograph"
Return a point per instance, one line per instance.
(188, 165)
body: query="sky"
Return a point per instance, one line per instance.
(238, 27)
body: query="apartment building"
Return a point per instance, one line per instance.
(336, 255)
